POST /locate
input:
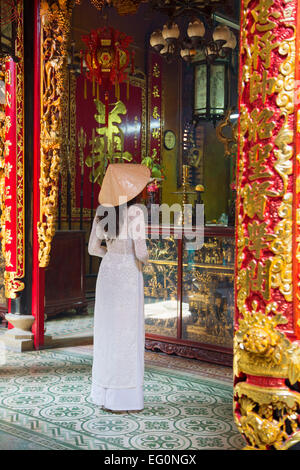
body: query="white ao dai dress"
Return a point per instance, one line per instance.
(119, 335)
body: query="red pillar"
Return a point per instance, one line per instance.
(266, 347)
(38, 274)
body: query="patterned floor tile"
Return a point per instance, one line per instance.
(44, 403)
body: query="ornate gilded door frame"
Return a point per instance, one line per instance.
(52, 26)
(266, 351)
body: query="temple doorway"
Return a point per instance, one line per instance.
(158, 114)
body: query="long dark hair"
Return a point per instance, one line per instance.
(113, 230)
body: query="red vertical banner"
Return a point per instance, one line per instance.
(265, 164)
(14, 180)
(266, 355)
(155, 106)
(10, 168)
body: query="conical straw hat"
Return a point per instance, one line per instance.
(122, 182)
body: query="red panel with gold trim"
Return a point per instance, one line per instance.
(122, 140)
(155, 106)
(266, 353)
(14, 168)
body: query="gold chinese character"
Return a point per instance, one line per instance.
(156, 133)
(156, 71)
(258, 237)
(255, 198)
(261, 85)
(257, 159)
(155, 92)
(7, 77)
(258, 277)
(8, 213)
(8, 259)
(8, 168)
(8, 99)
(7, 123)
(155, 113)
(7, 193)
(262, 47)
(259, 125)
(8, 237)
(7, 144)
(261, 14)
(154, 154)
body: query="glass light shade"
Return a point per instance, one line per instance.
(164, 50)
(170, 32)
(156, 40)
(187, 54)
(196, 29)
(221, 33)
(211, 85)
(231, 43)
(184, 52)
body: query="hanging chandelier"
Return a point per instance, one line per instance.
(215, 42)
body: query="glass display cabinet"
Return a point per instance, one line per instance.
(189, 295)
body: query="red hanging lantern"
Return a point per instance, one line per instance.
(106, 57)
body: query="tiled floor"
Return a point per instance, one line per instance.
(44, 403)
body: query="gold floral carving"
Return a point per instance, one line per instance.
(55, 29)
(262, 349)
(267, 417)
(230, 142)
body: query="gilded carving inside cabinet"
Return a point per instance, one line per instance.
(160, 288)
(205, 305)
(207, 292)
